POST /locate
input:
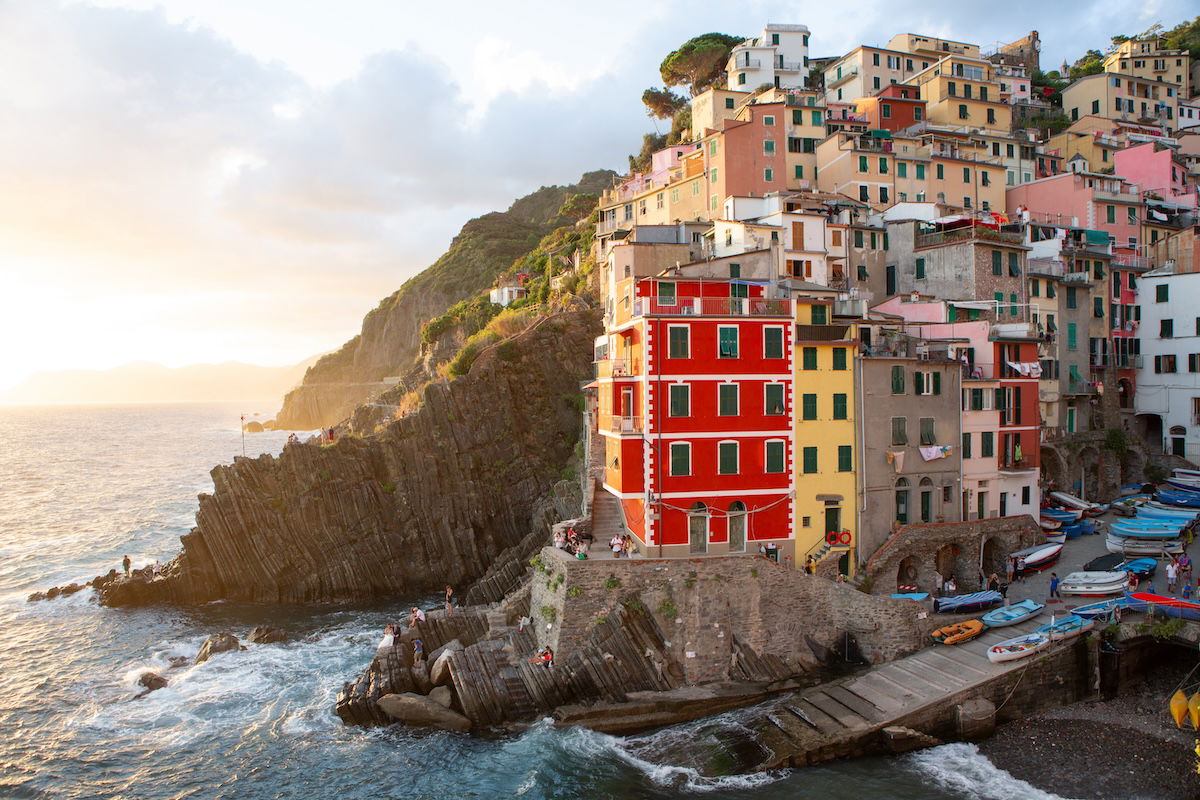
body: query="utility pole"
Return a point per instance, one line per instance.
(243, 435)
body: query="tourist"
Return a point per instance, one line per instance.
(1172, 573)
(950, 587)
(560, 541)
(418, 651)
(417, 615)
(627, 545)
(994, 582)
(1010, 569)
(331, 435)
(617, 545)
(449, 600)
(1185, 567)
(937, 584)
(1021, 569)
(1133, 581)
(126, 564)
(547, 657)
(155, 569)
(1054, 586)
(1187, 590)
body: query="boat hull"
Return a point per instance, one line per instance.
(1018, 647)
(1011, 615)
(1165, 605)
(1066, 628)
(1132, 546)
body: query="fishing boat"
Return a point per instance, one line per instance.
(1088, 526)
(1050, 524)
(1164, 604)
(1012, 614)
(1071, 501)
(1126, 531)
(1067, 627)
(1018, 647)
(1094, 584)
(1055, 537)
(959, 632)
(1073, 531)
(1129, 506)
(1180, 472)
(1148, 511)
(1181, 499)
(1099, 609)
(1158, 505)
(1039, 556)
(1062, 514)
(1142, 567)
(1133, 546)
(920, 597)
(1184, 483)
(967, 602)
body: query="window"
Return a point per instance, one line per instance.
(1193, 362)
(883, 196)
(712, 174)
(920, 172)
(1098, 307)
(681, 458)
(727, 400)
(966, 174)
(776, 457)
(997, 262)
(1161, 293)
(809, 407)
(1035, 288)
(875, 59)
(952, 88)
(727, 458)
(768, 147)
(941, 172)
(839, 354)
(863, 164)
(820, 315)
(729, 102)
(920, 268)
(809, 357)
(741, 79)
(918, 113)
(1051, 289)
(1164, 363)
(927, 437)
(966, 445)
(1111, 212)
(897, 379)
(962, 111)
(1072, 298)
(987, 444)
(735, 271)
(1098, 270)
(864, 193)
(727, 341)
(666, 294)
(799, 171)
(886, 110)
(1071, 336)
(810, 460)
(681, 400)
(902, 169)
(678, 341)
(768, 175)
(772, 342)
(773, 397)
(1014, 265)
(1166, 328)
(839, 406)
(986, 180)
(883, 166)
(816, 118)
(768, 120)
(899, 430)
(845, 458)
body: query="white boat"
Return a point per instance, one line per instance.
(1094, 584)
(1132, 546)
(1071, 501)
(1067, 627)
(1179, 472)
(1057, 537)
(1018, 647)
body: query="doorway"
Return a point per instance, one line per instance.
(698, 528)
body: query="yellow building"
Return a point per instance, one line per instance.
(931, 47)
(1150, 59)
(1090, 137)
(1119, 96)
(712, 106)
(962, 92)
(826, 458)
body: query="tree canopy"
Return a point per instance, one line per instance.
(663, 103)
(698, 62)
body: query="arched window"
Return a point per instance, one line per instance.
(1178, 430)
(902, 501)
(926, 499)
(698, 528)
(737, 527)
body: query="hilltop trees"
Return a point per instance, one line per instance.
(698, 62)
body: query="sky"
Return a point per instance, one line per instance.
(195, 181)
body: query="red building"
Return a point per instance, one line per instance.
(694, 401)
(1018, 369)
(1126, 316)
(893, 107)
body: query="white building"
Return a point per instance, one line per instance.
(1167, 400)
(778, 57)
(1188, 114)
(504, 295)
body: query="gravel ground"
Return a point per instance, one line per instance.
(1122, 749)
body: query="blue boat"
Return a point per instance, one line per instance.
(1065, 628)
(967, 602)
(1183, 484)
(1100, 610)
(1182, 499)
(1087, 526)
(1072, 531)
(1012, 614)
(1164, 605)
(1142, 532)
(1142, 567)
(1060, 514)
(1152, 512)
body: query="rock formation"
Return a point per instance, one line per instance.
(431, 499)
(390, 340)
(265, 634)
(217, 643)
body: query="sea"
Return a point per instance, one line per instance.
(82, 486)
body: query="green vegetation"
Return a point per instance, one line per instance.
(1116, 441)
(537, 563)
(461, 363)
(699, 62)
(612, 582)
(663, 103)
(549, 614)
(471, 314)
(667, 609)
(574, 591)
(601, 620)
(1167, 628)
(636, 605)
(388, 487)
(1155, 473)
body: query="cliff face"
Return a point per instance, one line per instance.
(390, 339)
(431, 499)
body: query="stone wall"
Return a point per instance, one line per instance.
(958, 546)
(718, 610)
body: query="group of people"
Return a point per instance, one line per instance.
(150, 572)
(621, 545)
(1179, 577)
(1014, 569)
(545, 657)
(575, 543)
(944, 587)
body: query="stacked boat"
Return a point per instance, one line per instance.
(1151, 532)
(1095, 584)
(1182, 490)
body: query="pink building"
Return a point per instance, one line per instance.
(661, 164)
(1156, 168)
(1107, 203)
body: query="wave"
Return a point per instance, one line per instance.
(962, 769)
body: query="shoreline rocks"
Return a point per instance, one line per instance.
(421, 711)
(217, 643)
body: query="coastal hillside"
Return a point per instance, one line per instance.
(390, 340)
(432, 498)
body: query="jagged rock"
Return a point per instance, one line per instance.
(254, 426)
(442, 696)
(217, 643)
(35, 597)
(439, 673)
(449, 487)
(152, 681)
(420, 673)
(179, 661)
(71, 588)
(423, 712)
(53, 593)
(265, 634)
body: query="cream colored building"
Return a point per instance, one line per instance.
(1121, 96)
(865, 70)
(962, 91)
(931, 47)
(1150, 60)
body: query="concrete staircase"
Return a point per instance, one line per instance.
(607, 517)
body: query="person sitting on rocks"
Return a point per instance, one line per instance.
(547, 657)
(560, 541)
(415, 616)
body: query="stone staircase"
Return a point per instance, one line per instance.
(607, 517)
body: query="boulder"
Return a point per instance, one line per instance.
(152, 681)
(33, 598)
(453, 644)
(418, 711)
(439, 667)
(420, 674)
(265, 634)
(179, 661)
(217, 643)
(442, 696)
(71, 588)
(253, 426)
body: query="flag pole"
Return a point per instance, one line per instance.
(243, 435)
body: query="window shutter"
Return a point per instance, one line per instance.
(937, 383)
(897, 380)
(918, 383)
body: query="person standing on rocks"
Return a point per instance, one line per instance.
(126, 563)
(418, 651)
(449, 600)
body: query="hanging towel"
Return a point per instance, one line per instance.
(932, 452)
(896, 459)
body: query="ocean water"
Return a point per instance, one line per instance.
(80, 486)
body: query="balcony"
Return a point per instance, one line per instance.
(1046, 267)
(625, 424)
(1078, 278)
(616, 368)
(966, 234)
(712, 307)
(1098, 360)
(747, 63)
(1010, 464)
(822, 333)
(845, 76)
(788, 66)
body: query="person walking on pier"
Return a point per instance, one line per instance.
(1172, 573)
(1054, 587)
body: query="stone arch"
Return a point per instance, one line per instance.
(1089, 462)
(993, 557)
(1054, 467)
(1150, 428)
(945, 561)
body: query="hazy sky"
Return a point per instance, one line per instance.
(200, 180)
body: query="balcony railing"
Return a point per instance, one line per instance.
(966, 234)
(713, 307)
(625, 424)
(845, 76)
(1008, 462)
(1077, 277)
(822, 333)
(1128, 360)
(747, 63)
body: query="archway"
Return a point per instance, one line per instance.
(737, 527)
(1054, 468)
(925, 509)
(902, 514)
(908, 573)
(698, 528)
(1125, 393)
(993, 558)
(1150, 428)
(1176, 441)
(944, 561)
